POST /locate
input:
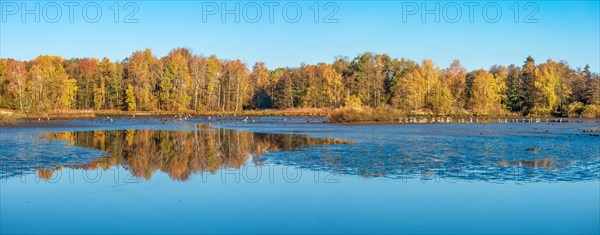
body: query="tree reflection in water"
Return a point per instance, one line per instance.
(180, 154)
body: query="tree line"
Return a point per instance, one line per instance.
(183, 81)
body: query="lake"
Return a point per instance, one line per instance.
(298, 175)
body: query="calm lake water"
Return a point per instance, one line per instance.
(298, 175)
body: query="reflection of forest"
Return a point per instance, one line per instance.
(180, 153)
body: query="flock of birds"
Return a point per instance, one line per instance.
(474, 120)
(187, 117)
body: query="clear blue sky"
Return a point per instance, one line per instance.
(566, 30)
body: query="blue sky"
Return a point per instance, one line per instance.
(565, 30)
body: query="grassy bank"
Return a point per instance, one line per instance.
(75, 114)
(261, 112)
(9, 117)
(363, 114)
(349, 114)
(387, 114)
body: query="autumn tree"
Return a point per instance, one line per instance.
(6, 100)
(143, 71)
(409, 92)
(130, 101)
(234, 86)
(88, 83)
(454, 77)
(212, 89)
(548, 86)
(440, 99)
(197, 66)
(313, 97)
(397, 70)
(486, 90)
(13, 84)
(99, 88)
(564, 90)
(51, 87)
(500, 74)
(369, 72)
(260, 86)
(333, 88)
(420, 88)
(175, 84)
(111, 84)
(431, 77)
(350, 96)
(284, 92)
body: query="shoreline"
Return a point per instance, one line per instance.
(35, 122)
(492, 121)
(12, 118)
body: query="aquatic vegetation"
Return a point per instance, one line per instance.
(363, 114)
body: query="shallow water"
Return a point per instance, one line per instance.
(300, 175)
